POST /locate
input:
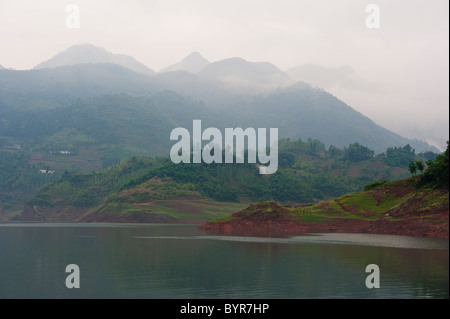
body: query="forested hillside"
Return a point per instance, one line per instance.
(308, 172)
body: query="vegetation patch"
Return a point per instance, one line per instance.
(375, 184)
(223, 219)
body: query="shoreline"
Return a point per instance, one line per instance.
(327, 238)
(381, 227)
(290, 230)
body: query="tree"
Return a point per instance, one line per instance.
(334, 151)
(400, 156)
(357, 152)
(286, 159)
(437, 173)
(420, 166)
(412, 168)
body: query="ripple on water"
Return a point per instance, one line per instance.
(392, 241)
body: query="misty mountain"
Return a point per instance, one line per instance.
(193, 63)
(328, 78)
(302, 111)
(243, 75)
(88, 53)
(211, 91)
(112, 127)
(1, 67)
(299, 110)
(49, 88)
(142, 125)
(48, 120)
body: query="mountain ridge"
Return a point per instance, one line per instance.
(88, 53)
(297, 109)
(237, 71)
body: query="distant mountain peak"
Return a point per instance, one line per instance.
(88, 46)
(1, 67)
(193, 63)
(329, 78)
(347, 69)
(88, 53)
(238, 72)
(194, 54)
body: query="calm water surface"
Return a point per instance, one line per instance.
(179, 261)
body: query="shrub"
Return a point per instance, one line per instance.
(375, 184)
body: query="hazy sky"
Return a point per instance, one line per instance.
(409, 53)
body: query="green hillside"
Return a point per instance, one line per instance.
(417, 206)
(308, 172)
(396, 207)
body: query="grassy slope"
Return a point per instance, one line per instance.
(155, 200)
(397, 200)
(396, 203)
(161, 197)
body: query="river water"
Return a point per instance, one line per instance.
(180, 261)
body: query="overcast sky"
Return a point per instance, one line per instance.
(408, 53)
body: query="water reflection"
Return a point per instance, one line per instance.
(179, 261)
